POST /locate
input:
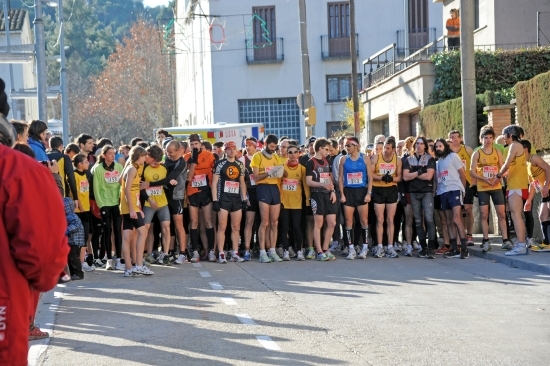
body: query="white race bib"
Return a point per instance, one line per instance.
(490, 172)
(199, 181)
(112, 177)
(387, 168)
(442, 175)
(154, 191)
(290, 185)
(252, 181)
(84, 187)
(355, 178)
(231, 187)
(325, 178)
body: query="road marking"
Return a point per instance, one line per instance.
(229, 301)
(245, 319)
(197, 265)
(268, 343)
(215, 286)
(205, 274)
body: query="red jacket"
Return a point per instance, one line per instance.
(33, 246)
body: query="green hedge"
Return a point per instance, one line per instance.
(533, 109)
(438, 119)
(495, 70)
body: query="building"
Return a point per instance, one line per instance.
(256, 74)
(397, 86)
(24, 76)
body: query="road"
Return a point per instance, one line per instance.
(404, 311)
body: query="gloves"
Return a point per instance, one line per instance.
(422, 169)
(474, 190)
(387, 178)
(244, 205)
(195, 156)
(216, 206)
(413, 168)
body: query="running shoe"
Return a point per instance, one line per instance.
(321, 257)
(111, 264)
(35, 333)
(416, 246)
(544, 247)
(452, 254)
(247, 255)
(129, 273)
(196, 258)
(335, 245)
(89, 259)
(391, 253)
(363, 253)
(519, 249)
(119, 266)
(236, 258)
(310, 253)
(300, 256)
(280, 251)
(221, 258)
(76, 277)
(166, 260)
(143, 270)
(98, 263)
(442, 250)
(211, 256)
(345, 252)
(87, 268)
(286, 255)
(422, 254)
(352, 254)
(291, 252)
(398, 247)
(464, 254)
(378, 252)
(160, 258)
(486, 246)
(274, 256)
(531, 242)
(507, 245)
(357, 249)
(182, 258)
(470, 241)
(430, 253)
(409, 251)
(330, 256)
(150, 258)
(264, 258)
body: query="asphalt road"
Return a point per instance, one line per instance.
(404, 311)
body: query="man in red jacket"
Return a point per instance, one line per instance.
(33, 246)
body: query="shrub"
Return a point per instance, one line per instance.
(533, 109)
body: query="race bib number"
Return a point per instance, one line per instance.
(442, 176)
(325, 178)
(386, 168)
(290, 185)
(112, 177)
(490, 172)
(199, 181)
(231, 187)
(252, 181)
(464, 164)
(154, 191)
(355, 178)
(84, 187)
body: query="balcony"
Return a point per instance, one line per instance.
(337, 48)
(264, 52)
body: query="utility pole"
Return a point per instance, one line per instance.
(63, 76)
(8, 43)
(468, 74)
(306, 83)
(354, 85)
(40, 49)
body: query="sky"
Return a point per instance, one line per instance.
(153, 3)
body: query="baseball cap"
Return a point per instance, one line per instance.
(311, 140)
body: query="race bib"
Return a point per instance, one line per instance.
(490, 172)
(325, 178)
(252, 181)
(138, 202)
(355, 178)
(269, 168)
(154, 191)
(442, 175)
(84, 187)
(290, 185)
(199, 181)
(537, 185)
(231, 187)
(112, 177)
(386, 168)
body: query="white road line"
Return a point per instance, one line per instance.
(245, 319)
(196, 265)
(215, 286)
(205, 274)
(268, 343)
(229, 301)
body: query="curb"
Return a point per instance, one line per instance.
(520, 262)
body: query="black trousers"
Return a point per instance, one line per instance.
(75, 267)
(288, 218)
(112, 222)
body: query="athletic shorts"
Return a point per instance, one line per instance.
(163, 214)
(355, 196)
(384, 195)
(547, 198)
(468, 195)
(253, 200)
(451, 199)
(523, 193)
(269, 194)
(437, 203)
(495, 194)
(200, 199)
(129, 224)
(231, 206)
(175, 207)
(321, 205)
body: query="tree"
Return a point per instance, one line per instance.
(132, 95)
(348, 119)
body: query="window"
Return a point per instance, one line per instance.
(261, 30)
(279, 116)
(339, 87)
(338, 20)
(480, 6)
(418, 24)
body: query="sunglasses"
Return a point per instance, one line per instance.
(348, 146)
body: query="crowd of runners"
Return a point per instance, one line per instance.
(172, 202)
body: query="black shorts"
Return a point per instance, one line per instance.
(468, 195)
(200, 199)
(437, 203)
(130, 224)
(385, 195)
(496, 195)
(269, 193)
(321, 205)
(546, 199)
(253, 200)
(175, 207)
(355, 196)
(231, 206)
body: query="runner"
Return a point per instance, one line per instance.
(66, 170)
(132, 216)
(355, 185)
(387, 172)
(486, 163)
(307, 217)
(323, 199)
(253, 207)
(229, 199)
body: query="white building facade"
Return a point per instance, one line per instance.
(256, 74)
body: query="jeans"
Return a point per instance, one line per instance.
(423, 207)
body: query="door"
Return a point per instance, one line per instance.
(338, 29)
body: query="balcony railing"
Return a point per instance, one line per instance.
(418, 38)
(265, 52)
(337, 48)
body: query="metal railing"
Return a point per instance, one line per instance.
(265, 52)
(337, 48)
(417, 37)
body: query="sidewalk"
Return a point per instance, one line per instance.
(536, 262)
